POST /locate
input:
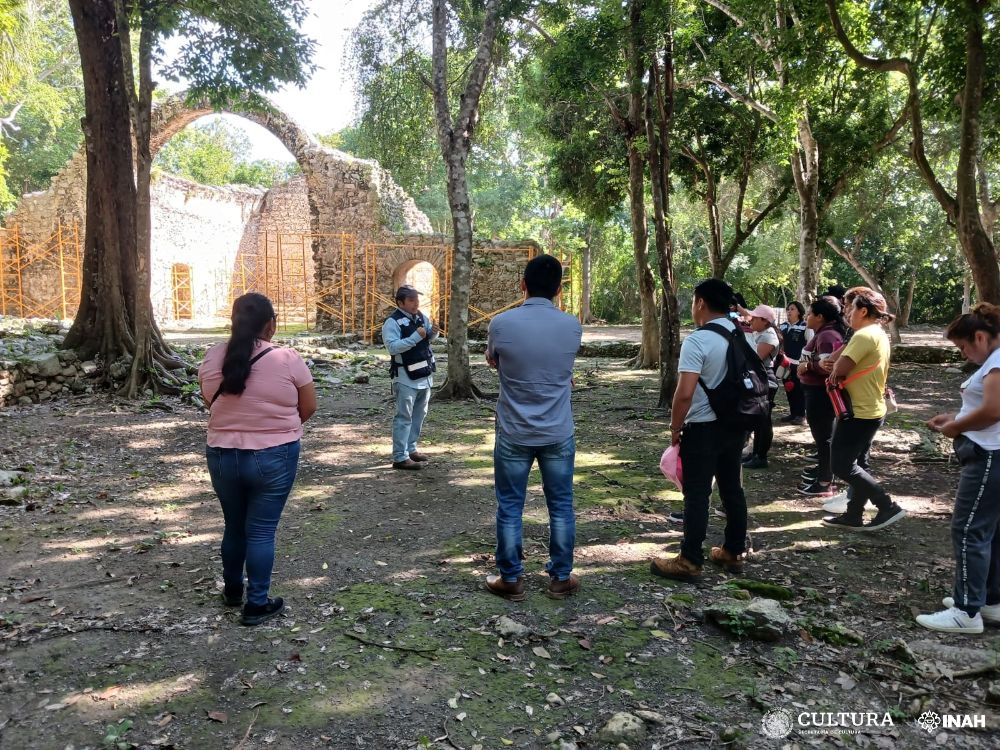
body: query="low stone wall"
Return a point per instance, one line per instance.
(42, 377)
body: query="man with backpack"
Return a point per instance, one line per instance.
(722, 388)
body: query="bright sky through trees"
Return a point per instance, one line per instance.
(327, 103)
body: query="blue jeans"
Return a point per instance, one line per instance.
(411, 408)
(511, 465)
(252, 486)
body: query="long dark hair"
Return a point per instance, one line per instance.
(251, 313)
(828, 308)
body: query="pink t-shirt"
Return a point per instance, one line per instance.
(266, 414)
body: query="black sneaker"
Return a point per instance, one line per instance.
(885, 518)
(676, 516)
(755, 462)
(788, 418)
(255, 614)
(845, 521)
(812, 456)
(232, 596)
(810, 471)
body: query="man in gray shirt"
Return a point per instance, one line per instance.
(533, 348)
(709, 449)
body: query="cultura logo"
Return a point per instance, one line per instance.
(776, 723)
(929, 720)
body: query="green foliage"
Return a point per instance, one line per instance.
(216, 153)
(40, 81)
(232, 50)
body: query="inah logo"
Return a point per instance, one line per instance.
(929, 720)
(776, 723)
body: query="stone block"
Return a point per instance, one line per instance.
(46, 365)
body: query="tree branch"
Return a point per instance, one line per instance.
(740, 97)
(531, 23)
(480, 70)
(740, 23)
(904, 66)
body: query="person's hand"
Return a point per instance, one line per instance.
(422, 331)
(675, 435)
(826, 365)
(950, 429)
(936, 423)
(491, 361)
(803, 368)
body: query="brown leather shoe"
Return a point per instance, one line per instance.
(561, 589)
(513, 591)
(677, 568)
(418, 456)
(727, 560)
(407, 465)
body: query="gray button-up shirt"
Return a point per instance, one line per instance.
(534, 346)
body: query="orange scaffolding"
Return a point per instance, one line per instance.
(25, 267)
(282, 269)
(377, 305)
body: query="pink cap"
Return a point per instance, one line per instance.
(764, 312)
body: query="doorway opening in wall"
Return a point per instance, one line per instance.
(180, 284)
(423, 277)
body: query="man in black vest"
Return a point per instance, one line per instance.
(407, 335)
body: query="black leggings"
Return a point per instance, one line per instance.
(820, 418)
(763, 434)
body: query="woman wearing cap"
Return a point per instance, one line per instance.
(862, 370)
(975, 521)
(259, 395)
(765, 338)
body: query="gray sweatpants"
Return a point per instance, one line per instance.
(975, 527)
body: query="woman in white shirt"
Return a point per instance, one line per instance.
(765, 340)
(975, 520)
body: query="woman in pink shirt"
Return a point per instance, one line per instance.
(259, 395)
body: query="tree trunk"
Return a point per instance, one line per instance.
(659, 122)
(967, 292)
(585, 314)
(114, 322)
(805, 170)
(455, 139)
(458, 383)
(649, 350)
(976, 241)
(906, 303)
(104, 326)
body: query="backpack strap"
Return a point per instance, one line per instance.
(728, 335)
(254, 359)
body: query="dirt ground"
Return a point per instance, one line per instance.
(112, 633)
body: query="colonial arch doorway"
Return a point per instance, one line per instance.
(423, 277)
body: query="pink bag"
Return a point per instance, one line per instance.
(670, 465)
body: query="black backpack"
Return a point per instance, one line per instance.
(741, 399)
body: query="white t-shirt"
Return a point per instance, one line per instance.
(704, 352)
(767, 336)
(972, 399)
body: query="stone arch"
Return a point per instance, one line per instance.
(391, 265)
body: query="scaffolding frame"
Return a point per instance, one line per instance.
(60, 252)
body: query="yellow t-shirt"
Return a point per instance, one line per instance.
(868, 346)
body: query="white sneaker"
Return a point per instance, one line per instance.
(836, 504)
(952, 620)
(990, 612)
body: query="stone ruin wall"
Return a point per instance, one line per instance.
(211, 229)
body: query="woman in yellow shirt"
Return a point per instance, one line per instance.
(862, 370)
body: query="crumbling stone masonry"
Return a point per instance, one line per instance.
(362, 230)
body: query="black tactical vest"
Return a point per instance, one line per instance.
(417, 362)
